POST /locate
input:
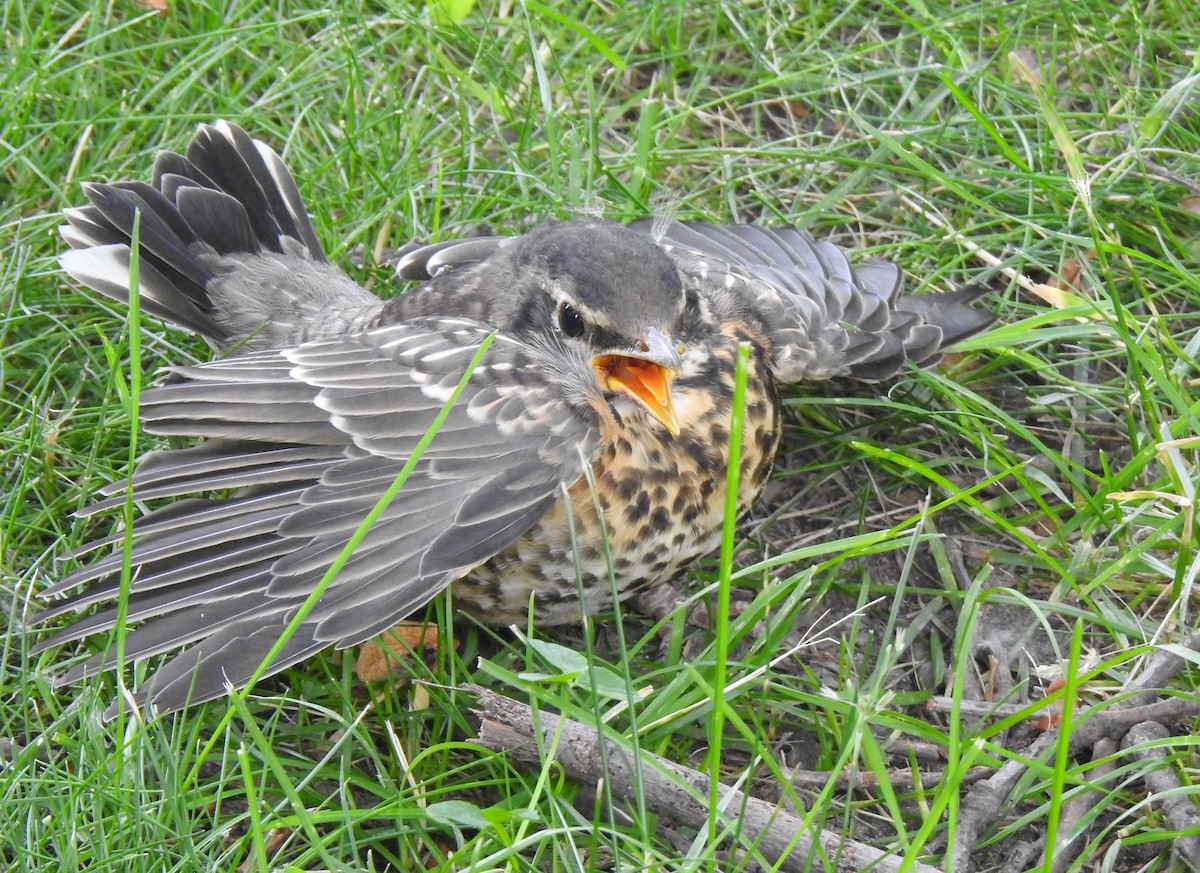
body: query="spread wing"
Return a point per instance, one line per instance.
(309, 438)
(824, 316)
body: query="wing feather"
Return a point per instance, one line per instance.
(823, 316)
(311, 437)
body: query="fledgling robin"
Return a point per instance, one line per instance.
(595, 428)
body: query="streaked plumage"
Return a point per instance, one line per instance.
(324, 390)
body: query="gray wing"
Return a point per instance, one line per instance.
(308, 439)
(823, 316)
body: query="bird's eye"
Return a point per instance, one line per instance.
(570, 321)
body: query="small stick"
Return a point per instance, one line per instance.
(673, 791)
(1178, 807)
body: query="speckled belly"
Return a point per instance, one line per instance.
(662, 499)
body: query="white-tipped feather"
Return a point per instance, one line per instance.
(75, 238)
(283, 180)
(82, 230)
(98, 267)
(226, 130)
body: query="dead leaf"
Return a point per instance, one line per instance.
(276, 837)
(420, 698)
(989, 679)
(1056, 297)
(378, 659)
(1053, 718)
(1068, 273)
(794, 108)
(1024, 67)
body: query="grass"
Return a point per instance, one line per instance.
(1024, 512)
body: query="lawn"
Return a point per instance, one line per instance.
(962, 628)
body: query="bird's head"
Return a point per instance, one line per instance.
(612, 296)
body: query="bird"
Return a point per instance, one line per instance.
(560, 401)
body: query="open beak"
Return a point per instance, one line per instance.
(645, 375)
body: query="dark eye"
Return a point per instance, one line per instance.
(570, 321)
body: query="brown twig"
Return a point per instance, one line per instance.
(981, 809)
(674, 792)
(980, 708)
(1078, 807)
(1164, 666)
(1161, 669)
(1113, 724)
(900, 779)
(986, 799)
(1019, 857)
(1179, 808)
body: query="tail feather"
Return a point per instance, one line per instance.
(884, 362)
(106, 269)
(163, 232)
(153, 201)
(220, 220)
(226, 247)
(172, 171)
(229, 157)
(952, 311)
